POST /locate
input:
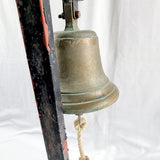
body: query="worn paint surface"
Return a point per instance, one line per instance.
(35, 18)
(65, 146)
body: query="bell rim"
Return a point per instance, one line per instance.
(81, 108)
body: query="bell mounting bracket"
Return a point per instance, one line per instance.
(70, 14)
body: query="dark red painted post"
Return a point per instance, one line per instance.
(36, 24)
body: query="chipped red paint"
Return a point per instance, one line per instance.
(45, 26)
(49, 146)
(65, 146)
(41, 115)
(59, 144)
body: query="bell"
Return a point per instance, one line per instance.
(84, 86)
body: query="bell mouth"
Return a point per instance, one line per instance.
(80, 103)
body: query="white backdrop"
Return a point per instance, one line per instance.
(130, 50)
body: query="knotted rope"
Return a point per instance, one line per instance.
(79, 125)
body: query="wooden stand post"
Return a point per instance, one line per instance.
(36, 24)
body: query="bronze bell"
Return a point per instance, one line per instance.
(84, 86)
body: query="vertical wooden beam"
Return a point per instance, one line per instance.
(36, 24)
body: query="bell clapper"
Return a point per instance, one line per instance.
(79, 125)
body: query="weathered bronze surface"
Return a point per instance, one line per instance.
(84, 86)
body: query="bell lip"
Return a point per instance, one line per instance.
(92, 106)
(81, 98)
(92, 101)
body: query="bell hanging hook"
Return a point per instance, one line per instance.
(70, 14)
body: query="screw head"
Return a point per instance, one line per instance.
(77, 14)
(61, 16)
